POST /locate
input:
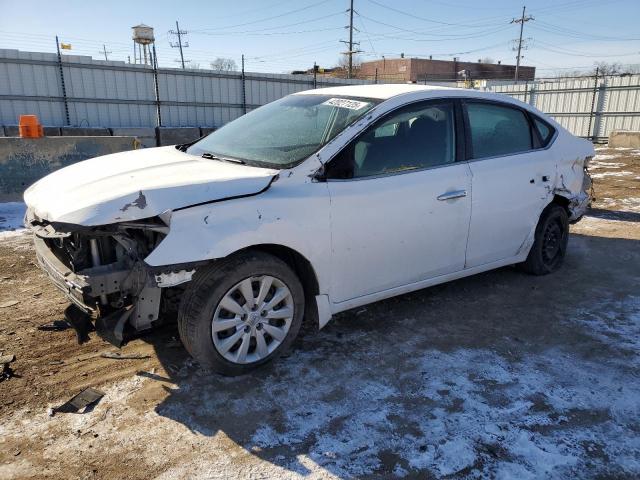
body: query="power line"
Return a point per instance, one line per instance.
(438, 35)
(563, 31)
(225, 32)
(430, 20)
(290, 12)
(566, 51)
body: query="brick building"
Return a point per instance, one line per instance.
(420, 69)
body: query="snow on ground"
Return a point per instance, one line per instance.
(11, 218)
(622, 173)
(593, 165)
(468, 412)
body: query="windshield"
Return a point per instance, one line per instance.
(284, 132)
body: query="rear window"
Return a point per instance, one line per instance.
(544, 129)
(498, 130)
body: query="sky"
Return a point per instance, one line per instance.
(283, 35)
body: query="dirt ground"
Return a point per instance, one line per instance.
(500, 375)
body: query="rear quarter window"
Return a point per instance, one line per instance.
(545, 130)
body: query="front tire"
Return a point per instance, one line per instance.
(241, 312)
(550, 244)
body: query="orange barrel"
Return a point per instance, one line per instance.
(29, 126)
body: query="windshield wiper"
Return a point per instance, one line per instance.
(211, 156)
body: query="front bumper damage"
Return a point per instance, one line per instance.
(119, 297)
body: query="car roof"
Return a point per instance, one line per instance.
(415, 92)
(379, 91)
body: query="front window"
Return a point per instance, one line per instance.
(415, 137)
(285, 132)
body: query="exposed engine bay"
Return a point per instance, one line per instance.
(102, 271)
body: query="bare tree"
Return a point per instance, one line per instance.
(487, 60)
(342, 67)
(606, 68)
(224, 64)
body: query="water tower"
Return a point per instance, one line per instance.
(142, 37)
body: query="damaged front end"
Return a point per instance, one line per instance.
(102, 271)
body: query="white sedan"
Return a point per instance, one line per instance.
(319, 202)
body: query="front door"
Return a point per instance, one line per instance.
(400, 203)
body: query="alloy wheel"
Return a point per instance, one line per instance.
(252, 319)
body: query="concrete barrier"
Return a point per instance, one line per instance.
(624, 139)
(25, 160)
(13, 131)
(51, 131)
(177, 135)
(84, 132)
(146, 136)
(207, 130)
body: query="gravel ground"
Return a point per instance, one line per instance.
(500, 375)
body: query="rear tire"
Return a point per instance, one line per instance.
(241, 312)
(550, 244)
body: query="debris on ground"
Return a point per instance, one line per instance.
(89, 397)
(55, 326)
(124, 356)
(80, 322)
(5, 369)
(9, 303)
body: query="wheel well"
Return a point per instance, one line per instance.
(562, 201)
(298, 263)
(305, 272)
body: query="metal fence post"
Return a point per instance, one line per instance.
(376, 77)
(593, 104)
(315, 73)
(244, 89)
(526, 88)
(156, 87)
(64, 89)
(532, 97)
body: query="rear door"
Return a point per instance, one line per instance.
(512, 175)
(400, 202)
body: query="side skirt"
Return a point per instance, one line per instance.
(411, 287)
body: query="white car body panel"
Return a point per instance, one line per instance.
(138, 184)
(342, 228)
(293, 212)
(383, 233)
(499, 228)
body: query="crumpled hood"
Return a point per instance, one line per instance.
(138, 184)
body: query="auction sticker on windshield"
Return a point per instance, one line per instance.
(345, 103)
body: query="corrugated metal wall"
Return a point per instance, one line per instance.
(589, 107)
(117, 94)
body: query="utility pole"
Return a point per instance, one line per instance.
(351, 40)
(521, 21)
(62, 85)
(104, 51)
(179, 33)
(351, 43)
(244, 88)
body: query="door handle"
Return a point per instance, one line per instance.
(452, 195)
